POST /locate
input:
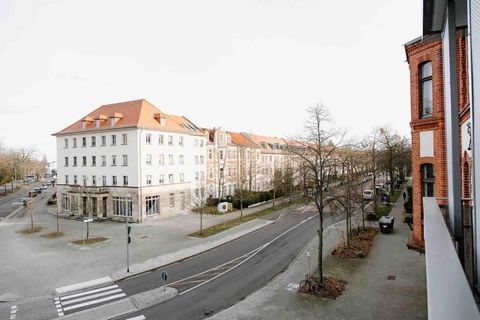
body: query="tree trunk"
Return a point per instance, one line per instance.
(273, 196)
(201, 221)
(320, 248)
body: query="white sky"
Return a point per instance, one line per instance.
(244, 65)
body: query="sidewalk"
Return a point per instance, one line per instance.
(369, 295)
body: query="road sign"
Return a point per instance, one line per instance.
(87, 219)
(164, 276)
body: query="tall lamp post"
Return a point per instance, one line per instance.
(127, 212)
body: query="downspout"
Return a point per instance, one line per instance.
(140, 199)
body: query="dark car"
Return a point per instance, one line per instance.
(38, 190)
(32, 193)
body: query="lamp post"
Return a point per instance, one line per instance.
(127, 212)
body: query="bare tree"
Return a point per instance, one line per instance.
(316, 149)
(371, 146)
(199, 201)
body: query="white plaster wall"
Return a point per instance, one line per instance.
(108, 150)
(426, 143)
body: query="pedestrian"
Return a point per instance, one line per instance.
(404, 196)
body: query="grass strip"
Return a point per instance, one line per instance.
(236, 222)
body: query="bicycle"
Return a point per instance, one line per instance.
(309, 285)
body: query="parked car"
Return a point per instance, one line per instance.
(32, 193)
(368, 194)
(380, 187)
(44, 186)
(38, 190)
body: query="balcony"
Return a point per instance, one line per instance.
(448, 291)
(88, 190)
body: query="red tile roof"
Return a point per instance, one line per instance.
(136, 114)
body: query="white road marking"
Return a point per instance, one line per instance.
(97, 295)
(142, 317)
(13, 312)
(88, 292)
(85, 304)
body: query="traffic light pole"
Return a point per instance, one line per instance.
(128, 244)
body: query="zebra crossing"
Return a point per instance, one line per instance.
(86, 299)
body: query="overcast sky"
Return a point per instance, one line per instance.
(244, 65)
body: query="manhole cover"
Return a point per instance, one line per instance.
(390, 277)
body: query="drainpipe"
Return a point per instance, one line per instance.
(140, 199)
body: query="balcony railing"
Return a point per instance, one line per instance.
(88, 189)
(448, 291)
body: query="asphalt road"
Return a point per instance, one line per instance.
(11, 202)
(234, 285)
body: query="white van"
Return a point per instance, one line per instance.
(368, 194)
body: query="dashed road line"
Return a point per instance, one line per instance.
(140, 317)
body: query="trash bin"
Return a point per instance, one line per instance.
(371, 216)
(386, 224)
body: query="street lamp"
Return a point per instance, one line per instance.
(127, 212)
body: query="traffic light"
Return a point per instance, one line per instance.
(128, 234)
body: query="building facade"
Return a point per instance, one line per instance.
(129, 159)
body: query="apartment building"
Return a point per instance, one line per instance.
(231, 162)
(444, 64)
(129, 159)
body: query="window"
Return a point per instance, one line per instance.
(75, 181)
(114, 160)
(114, 180)
(221, 172)
(94, 141)
(74, 142)
(202, 159)
(149, 159)
(124, 138)
(170, 178)
(148, 138)
(114, 139)
(221, 154)
(84, 161)
(94, 161)
(125, 160)
(161, 159)
(161, 179)
(122, 206)
(202, 175)
(97, 123)
(66, 161)
(94, 180)
(182, 177)
(65, 202)
(104, 180)
(180, 141)
(170, 159)
(197, 192)
(171, 200)
(209, 154)
(84, 142)
(66, 143)
(160, 139)
(152, 205)
(196, 175)
(180, 159)
(428, 180)
(125, 180)
(149, 179)
(426, 89)
(170, 140)
(66, 179)
(104, 160)
(196, 159)
(104, 141)
(182, 201)
(201, 143)
(74, 161)
(112, 122)
(196, 142)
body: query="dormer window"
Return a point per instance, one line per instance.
(112, 122)
(97, 123)
(426, 90)
(84, 125)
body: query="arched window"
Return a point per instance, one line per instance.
(426, 90)
(428, 180)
